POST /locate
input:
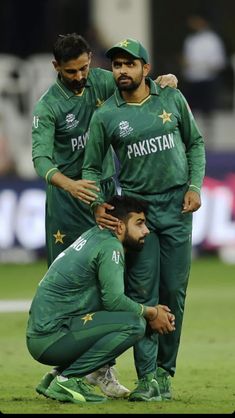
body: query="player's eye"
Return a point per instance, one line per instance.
(116, 65)
(70, 71)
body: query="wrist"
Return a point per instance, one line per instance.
(151, 313)
(50, 173)
(155, 315)
(194, 188)
(95, 205)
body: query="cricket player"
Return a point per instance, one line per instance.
(80, 319)
(161, 156)
(59, 135)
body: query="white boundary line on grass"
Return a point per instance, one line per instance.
(15, 305)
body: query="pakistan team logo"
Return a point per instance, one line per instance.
(124, 128)
(71, 121)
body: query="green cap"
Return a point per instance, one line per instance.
(133, 47)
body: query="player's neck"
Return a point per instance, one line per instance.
(138, 95)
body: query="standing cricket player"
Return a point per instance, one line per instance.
(161, 155)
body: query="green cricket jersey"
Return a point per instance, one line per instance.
(85, 278)
(61, 120)
(157, 142)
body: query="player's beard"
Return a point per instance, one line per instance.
(131, 86)
(132, 244)
(75, 85)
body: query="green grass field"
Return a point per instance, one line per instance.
(205, 378)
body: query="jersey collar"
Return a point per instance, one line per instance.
(153, 92)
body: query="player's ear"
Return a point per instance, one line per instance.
(121, 227)
(146, 69)
(56, 65)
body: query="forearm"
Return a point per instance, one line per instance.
(159, 317)
(194, 144)
(95, 176)
(60, 180)
(122, 303)
(79, 189)
(196, 161)
(45, 168)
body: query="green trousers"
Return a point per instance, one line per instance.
(88, 345)
(159, 274)
(67, 218)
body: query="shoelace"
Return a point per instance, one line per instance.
(165, 383)
(142, 383)
(110, 375)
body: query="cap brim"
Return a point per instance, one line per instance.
(110, 53)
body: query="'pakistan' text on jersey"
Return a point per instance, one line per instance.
(86, 277)
(61, 120)
(157, 142)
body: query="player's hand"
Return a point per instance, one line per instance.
(82, 189)
(167, 80)
(192, 201)
(103, 219)
(164, 321)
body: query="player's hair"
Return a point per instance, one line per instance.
(124, 205)
(70, 46)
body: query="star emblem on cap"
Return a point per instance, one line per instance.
(87, 317)
(59, 237)
(166, 117)
(124, 43)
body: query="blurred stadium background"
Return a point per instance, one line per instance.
(27, 32)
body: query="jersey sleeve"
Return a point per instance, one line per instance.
(96, 149)
(45, 168)
(111, 279)
(43, 131)
(194, 144)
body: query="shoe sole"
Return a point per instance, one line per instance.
(166, 396)
(125, 396)
(153, 399)
(41, 391)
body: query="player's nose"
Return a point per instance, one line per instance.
(146, 231)
(78, 75)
